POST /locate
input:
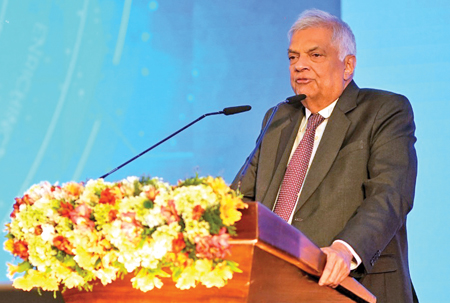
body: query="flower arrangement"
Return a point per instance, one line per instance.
(77, 234)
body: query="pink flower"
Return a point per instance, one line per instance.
(130, 226)
(151, 193)
(213, 247)
(80, 216)
(169, 212)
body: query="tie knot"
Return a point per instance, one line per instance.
(314, 120)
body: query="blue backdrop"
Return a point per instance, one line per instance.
(86, 85)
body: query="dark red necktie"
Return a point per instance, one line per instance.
(296, 170)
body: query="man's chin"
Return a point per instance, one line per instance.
(299, 91)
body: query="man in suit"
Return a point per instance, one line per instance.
(358, 183)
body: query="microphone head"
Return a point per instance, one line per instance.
(236, 109)
(295, 100)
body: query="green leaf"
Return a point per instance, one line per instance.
(148, 204)
(98, 262)
(190, 249)
(24, 266)
(137, 188)
(176, 273)
(233, 266)
(231, 230)
(192, 181)
(212, 216)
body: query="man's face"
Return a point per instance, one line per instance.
(315, 68)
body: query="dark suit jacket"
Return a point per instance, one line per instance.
(360, 185)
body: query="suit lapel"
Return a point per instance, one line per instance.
(282, 138)
(330, 143)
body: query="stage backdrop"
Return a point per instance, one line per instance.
(85, 85)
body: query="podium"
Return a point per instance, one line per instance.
(279, 265)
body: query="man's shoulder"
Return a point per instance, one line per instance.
(382, 98)
(380, 95)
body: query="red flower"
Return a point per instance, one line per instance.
(112, 215)
(38, 230)
(107, 197)
(21, 249)
(65, 209)
(169, 212)
(54, 188)
(63, 244)
(178, 244)
(19, 201)
(197, 212)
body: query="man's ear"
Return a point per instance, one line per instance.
(350, 64)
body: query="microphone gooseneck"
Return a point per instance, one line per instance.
(226, 111)
(294, 100)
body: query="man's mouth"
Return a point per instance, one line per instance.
(302, 80)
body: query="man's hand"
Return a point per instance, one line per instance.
(338, 263)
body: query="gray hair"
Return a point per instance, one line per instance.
(342, 34)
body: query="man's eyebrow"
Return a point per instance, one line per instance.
(309, 50)
(313, 49)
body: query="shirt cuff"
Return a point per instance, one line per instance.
(356, 259)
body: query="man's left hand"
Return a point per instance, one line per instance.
(337, 267)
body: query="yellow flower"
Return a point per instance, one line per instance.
(212, 279)
(74, 280)
(106, 275)
(217, 277)
(9, 245)
(203, 266)
(61, 271)
(35, 278)
(218, 185)
(145, 281)
(85, 259)
(229, 212)
(188, 278)
(12, 269)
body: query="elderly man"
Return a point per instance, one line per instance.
(341, 166)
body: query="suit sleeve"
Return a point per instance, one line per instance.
(389, 189)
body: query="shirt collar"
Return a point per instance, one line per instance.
(326, 112)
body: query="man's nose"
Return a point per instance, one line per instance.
(301, 63)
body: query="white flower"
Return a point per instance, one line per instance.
(154, 217)
(48, 232)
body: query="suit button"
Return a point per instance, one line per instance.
(375, 257)
(298, 219)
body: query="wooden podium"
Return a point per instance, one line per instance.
(279, 265)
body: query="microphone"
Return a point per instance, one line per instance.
(236, 110)
(294, 101)
(226, 111)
